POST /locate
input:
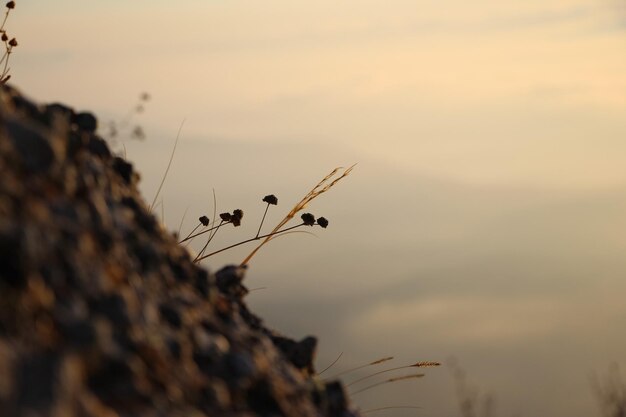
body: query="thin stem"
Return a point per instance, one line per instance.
(182, 220)
(243, 242)
(372, 410)
(5, 71)
(6, 16)
(376, 362)
(211, 236)
(190, 233)
(331, 365)
(204, 231)
(423, 364)
(262, 220)
(377, 373)
(387, 381)
(169, 164)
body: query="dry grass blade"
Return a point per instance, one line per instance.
(372, 410)
(324, 185)
(169, 164)
(388, 381)
(376, 362)
(182, 220)
(424, 364)
(331, 365)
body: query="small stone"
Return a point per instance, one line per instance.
(86, 122)
(98, 147)
(34, 150)
(170, 316)
(123, 168)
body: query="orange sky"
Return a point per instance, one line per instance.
(487, 92)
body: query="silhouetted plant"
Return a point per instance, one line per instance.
(471, 402)
(9, 44)
(611, 393)
(125, 127)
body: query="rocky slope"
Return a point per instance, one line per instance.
(103, 313)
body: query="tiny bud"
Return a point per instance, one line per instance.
(238, 214)
(138, 133)
(271, 199)
(13, 42)
(323, 222)
(308, 219)
(204, 220)
(11, 5)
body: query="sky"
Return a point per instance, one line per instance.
(484, 220)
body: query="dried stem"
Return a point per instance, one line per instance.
(243, 242)
(372, 410)
(263, 219)
(387, 381)
(169, 164)
(331, 365)
(415, 365)
(376, 362)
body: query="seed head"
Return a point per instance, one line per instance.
(308, 219)
(204, 220)
(13, 42)
(11, 5)
(323, 222)
(225, 217)
(271, 199)
(236, 217)
(4, 36)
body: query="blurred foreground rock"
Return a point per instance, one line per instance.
(102, 312)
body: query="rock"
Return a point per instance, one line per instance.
(103, 313)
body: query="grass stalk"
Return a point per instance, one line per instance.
(387, 381)
(321, 187)
(169, 164)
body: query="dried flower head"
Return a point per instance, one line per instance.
(11, 5)
(308, 219)
(4, 36)
(138, 133)
(271, 199)
(225, 217)
(323, 222)
(204, 220)
(236, 217)
(13, 42)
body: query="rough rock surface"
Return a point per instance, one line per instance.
(102, 313)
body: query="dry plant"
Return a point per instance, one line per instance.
(126, 127)
(205, 226)
(9, 44)
(387, 381)
(471, 402)
(611, 393)
(324, 185)
(423, 364)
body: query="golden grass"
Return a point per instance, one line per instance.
(323, 186)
